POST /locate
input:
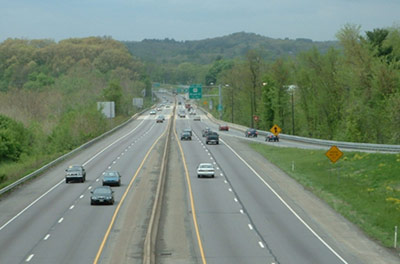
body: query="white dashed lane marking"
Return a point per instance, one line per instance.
(29, 258)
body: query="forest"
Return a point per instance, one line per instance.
(49, 93)
(346, 90)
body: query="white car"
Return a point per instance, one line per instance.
(152, 112)
(205, 169)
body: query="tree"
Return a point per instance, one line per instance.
(113, 93)
(254, 68)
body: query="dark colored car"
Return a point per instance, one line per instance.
(160, 119)
(102, 195)
(205, 131)
(188, 130)
(223, 128)
(213, 138)
(111, 178)
(186, 136)
(251, 132)
(271, 137)
(75, 173)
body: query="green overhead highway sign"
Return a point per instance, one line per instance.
(195, 91)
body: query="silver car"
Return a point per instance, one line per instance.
(205, 170)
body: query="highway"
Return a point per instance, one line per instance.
(246, 214)
(241, 220)
(55, 222)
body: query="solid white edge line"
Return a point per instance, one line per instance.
(30, 205)
(55, 186)
(29, 258)
(287, 205)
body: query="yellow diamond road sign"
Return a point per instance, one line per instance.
(334, 154)
(275, 130)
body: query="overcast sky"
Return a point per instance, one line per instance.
(190, 19)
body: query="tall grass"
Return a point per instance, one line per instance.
(363, 187)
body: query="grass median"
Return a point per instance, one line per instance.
(363, 187)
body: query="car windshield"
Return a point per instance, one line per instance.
(110, 177)
(74, 168)
(101, 191)
(206, 166)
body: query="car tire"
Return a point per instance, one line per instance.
(217, 143)
(66, 181)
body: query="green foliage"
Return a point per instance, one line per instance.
(75, 128)
(52, 89)
(218, 66)
(356, 180)
(113, 93)
(13, 139)
(236, 45)
(348, 94)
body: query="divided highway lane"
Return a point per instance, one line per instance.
(226, 232)
(274, 229)
(61, 226)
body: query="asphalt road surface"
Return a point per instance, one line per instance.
(249, 213)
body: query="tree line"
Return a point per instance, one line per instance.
(49, 93)
(350, 92)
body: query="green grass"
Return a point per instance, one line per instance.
(363, 187)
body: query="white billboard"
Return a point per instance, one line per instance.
(107, 108)
(138, 102)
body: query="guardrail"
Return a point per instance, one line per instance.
(67, 155)
(314, 141)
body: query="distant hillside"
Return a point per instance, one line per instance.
(229, 47)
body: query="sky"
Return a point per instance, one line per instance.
(135, 20)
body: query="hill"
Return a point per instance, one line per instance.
(229, 47)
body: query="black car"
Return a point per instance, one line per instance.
(185, 135)
(189, 130)
(271, 137)
(251, 132)
(205, 131)
(213, 138)
(102, 195)
(111, 178)
(75, 173)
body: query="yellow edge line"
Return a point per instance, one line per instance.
(122, 200)
(191, 198)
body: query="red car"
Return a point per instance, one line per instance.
(223, 127)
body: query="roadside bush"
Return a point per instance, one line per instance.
(13, 139)
(76, 127)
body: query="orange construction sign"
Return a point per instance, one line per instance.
(334, 154)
